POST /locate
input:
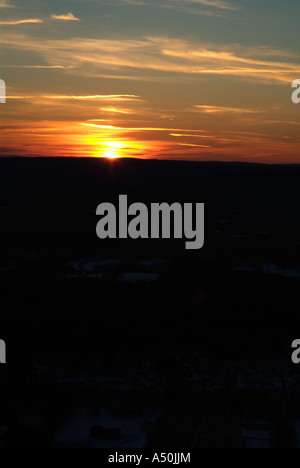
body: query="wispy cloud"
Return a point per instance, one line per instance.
(115, 110)
(213, 4)
(133, 129)
(94, 97)
(193, 145)
(114, 97)
(223, 110)
(67, 17)
(5, 4)
(91, 57)
(23, 21)
(37, 66)
(210, 3)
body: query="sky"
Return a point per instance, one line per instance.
(165, 79)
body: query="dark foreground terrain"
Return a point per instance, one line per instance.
(142, 343)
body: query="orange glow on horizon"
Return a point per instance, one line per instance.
(113, 142)
(110, 154)
(111, 150)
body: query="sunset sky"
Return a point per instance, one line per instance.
(171, 79)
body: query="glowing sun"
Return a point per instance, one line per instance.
(110, 154)
(112, 150)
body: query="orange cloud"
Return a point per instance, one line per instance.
(101, 97)
(90, 57)
(24, 21)
(5, 4)
(221, 109)
(115, 110)
(36, 66)
(68, 17)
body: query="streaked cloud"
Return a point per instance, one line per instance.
(116, 110)
(37, 67)
(23, 21)
(188, 135)
(214, 4)
(223, 110)
(101, 97)
(5, 4)
(192, 145)
(210, 3)
(67, 17)
(134, 129)
(158, 54)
